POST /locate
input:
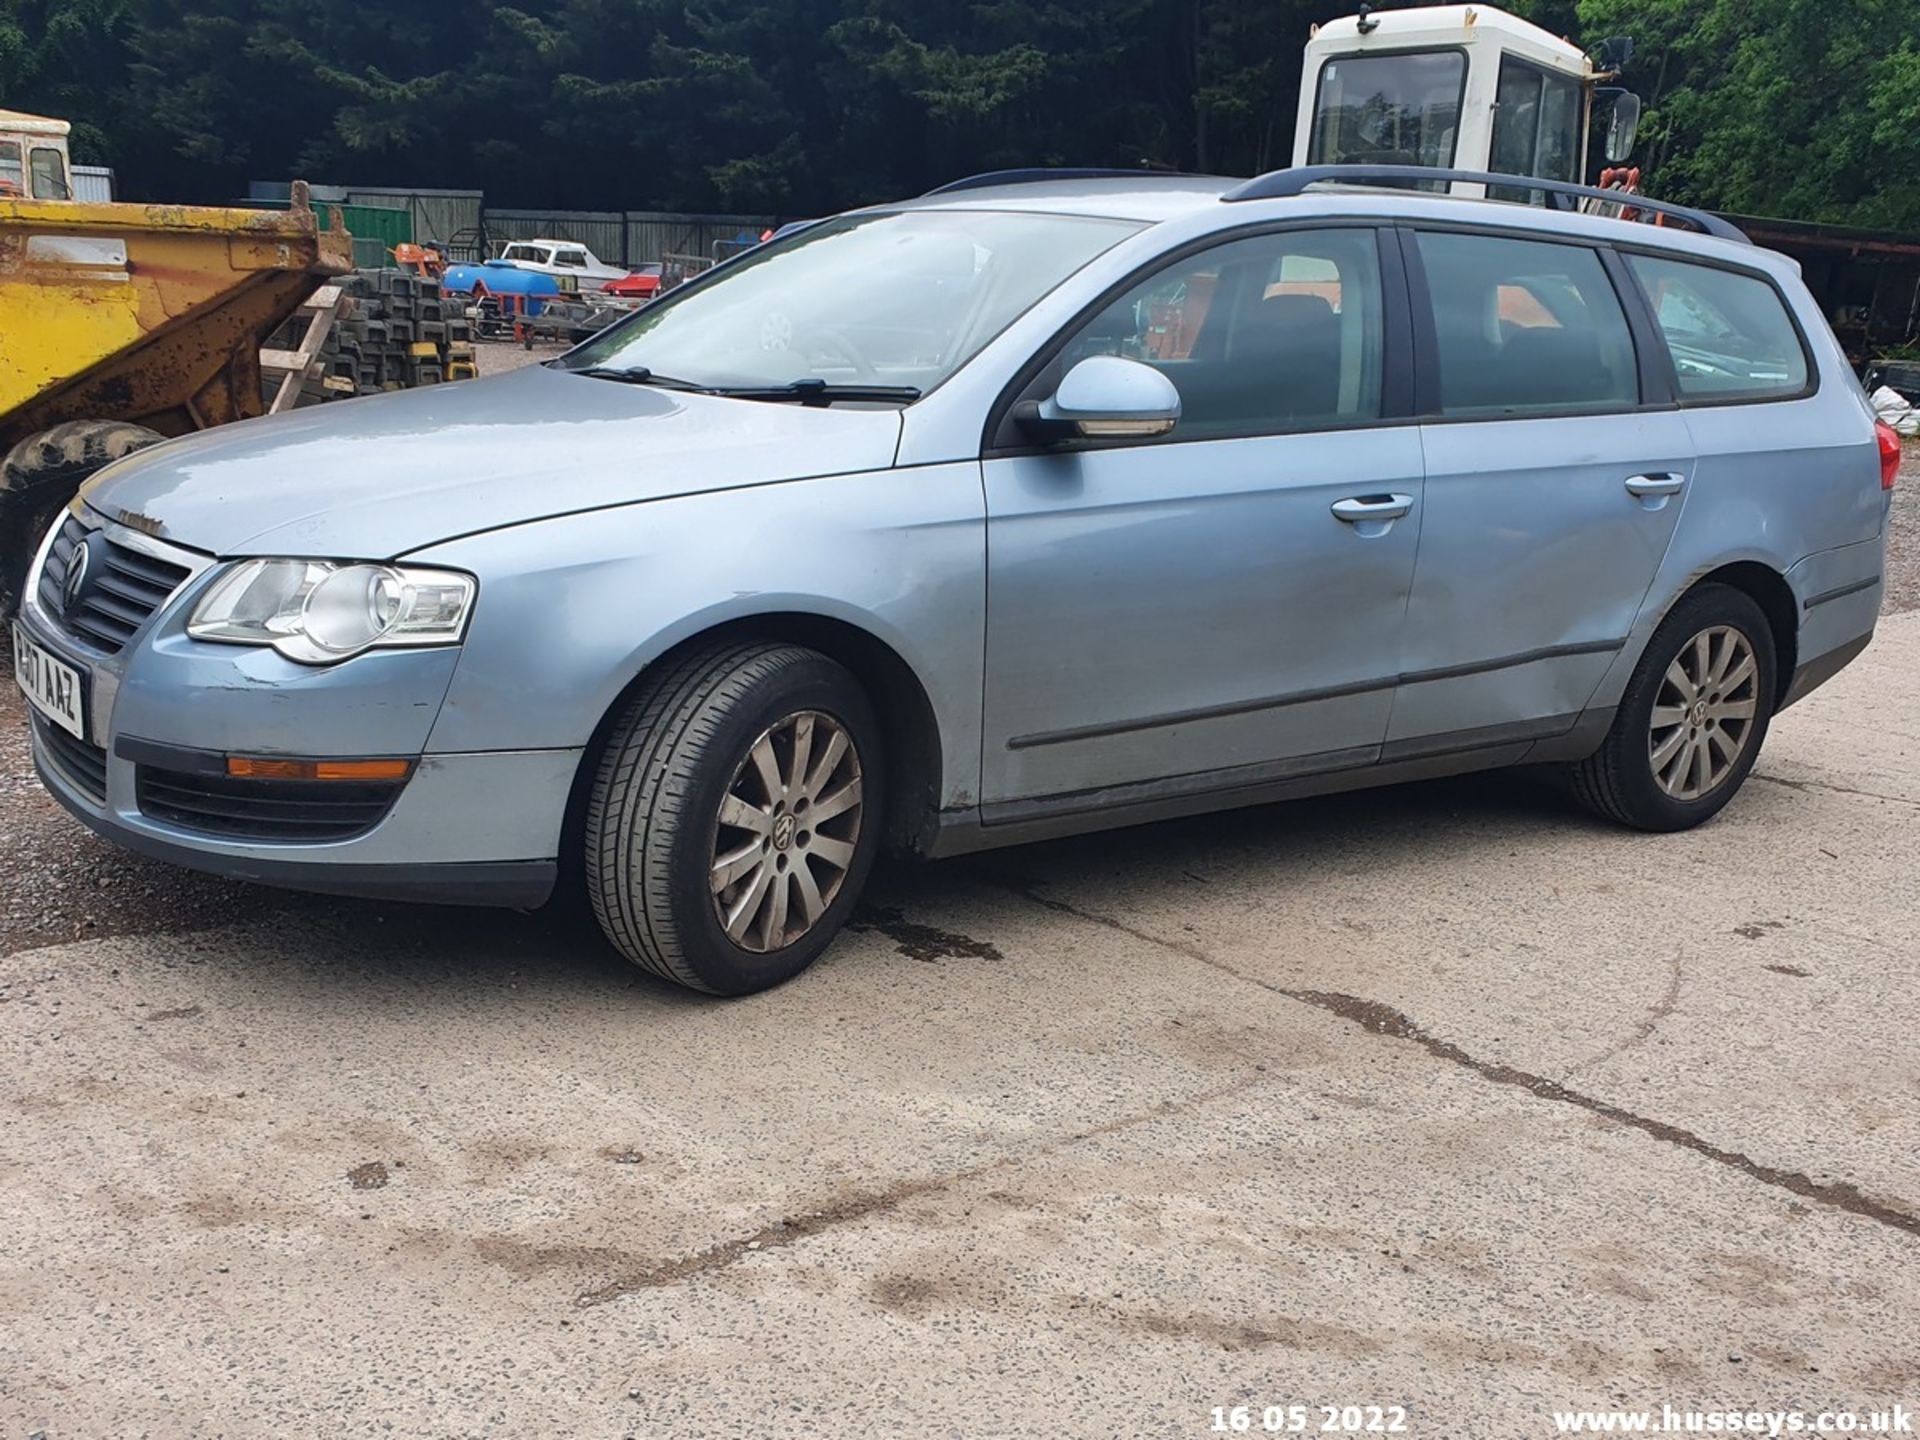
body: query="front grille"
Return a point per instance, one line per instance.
(118, 591)
(84, 765)
(236, 809)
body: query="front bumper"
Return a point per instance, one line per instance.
(327, 868)
(475, 827)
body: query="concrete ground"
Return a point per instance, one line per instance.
(1444, 1097)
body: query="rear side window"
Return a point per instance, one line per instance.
(1526, 327)
(12, 177)
(1260, 336)
(1729, 334)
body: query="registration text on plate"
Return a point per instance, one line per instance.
(54, 687)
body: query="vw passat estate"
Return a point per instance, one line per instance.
(1035, 505)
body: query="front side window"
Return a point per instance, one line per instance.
(1536, 127)
(1729, 334)
(49, 175)
(899, 298)
(12, 176)
(1526, 327)
(1399, 109)
(1260, 336)
(575, 259)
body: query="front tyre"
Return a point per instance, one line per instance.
(1693, 717)
(734, 816)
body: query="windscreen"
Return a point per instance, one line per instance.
(898, 299)
(1389, 109)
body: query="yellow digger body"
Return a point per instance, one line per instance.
(152, 314)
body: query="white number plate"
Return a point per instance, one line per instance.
(55, 688)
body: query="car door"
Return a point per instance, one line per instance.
(1222, 605)
(1556, 470)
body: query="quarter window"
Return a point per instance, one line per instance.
(1524, 327)
(1263, 335)
(49, 175)
(1729, 334)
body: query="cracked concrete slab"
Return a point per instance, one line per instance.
(1444, 1097)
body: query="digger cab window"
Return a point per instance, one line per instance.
(1536, 127)
(1390, 109)
(50, 174)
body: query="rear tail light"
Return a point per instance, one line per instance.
(1889, 453)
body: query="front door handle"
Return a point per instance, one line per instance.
(1372, 507)
(1645, 486)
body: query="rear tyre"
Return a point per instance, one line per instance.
(734, 816)
(38, 478)
(1692, 720)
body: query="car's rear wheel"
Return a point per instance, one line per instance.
(1693, 717)
(734, 816)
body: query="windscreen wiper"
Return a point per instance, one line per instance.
(641, 375)
(815, 391)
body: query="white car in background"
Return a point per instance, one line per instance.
(562, 258)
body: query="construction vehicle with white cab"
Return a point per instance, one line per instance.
(1464, 88)
(1473, 91)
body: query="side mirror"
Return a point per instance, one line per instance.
(1623, 126)
(1106, 397)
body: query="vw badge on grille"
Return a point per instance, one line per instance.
(76, 575)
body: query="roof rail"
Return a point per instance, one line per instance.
(1280, 184)
(1036, 175)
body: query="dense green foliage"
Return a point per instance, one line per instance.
(1807, 108)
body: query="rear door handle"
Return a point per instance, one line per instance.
(1647, 485)
(1372, 507)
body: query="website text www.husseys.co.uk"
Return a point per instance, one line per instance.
(1668, 1421)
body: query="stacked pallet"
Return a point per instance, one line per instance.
(384, 330)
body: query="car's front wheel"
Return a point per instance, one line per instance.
(1693, 717)
(734, 815)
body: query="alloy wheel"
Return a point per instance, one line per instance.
(788, 829)
(1703, 712)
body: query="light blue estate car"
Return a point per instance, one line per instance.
(1038, 504)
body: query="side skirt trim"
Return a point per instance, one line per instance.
(1553, 738)
(1308, 697)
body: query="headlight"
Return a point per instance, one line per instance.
(320, 611)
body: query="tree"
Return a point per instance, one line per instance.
(1798, 108)
(1807, 108)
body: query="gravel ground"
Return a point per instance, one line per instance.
(497, 357)
(1903, 538)
(1441, 1096)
